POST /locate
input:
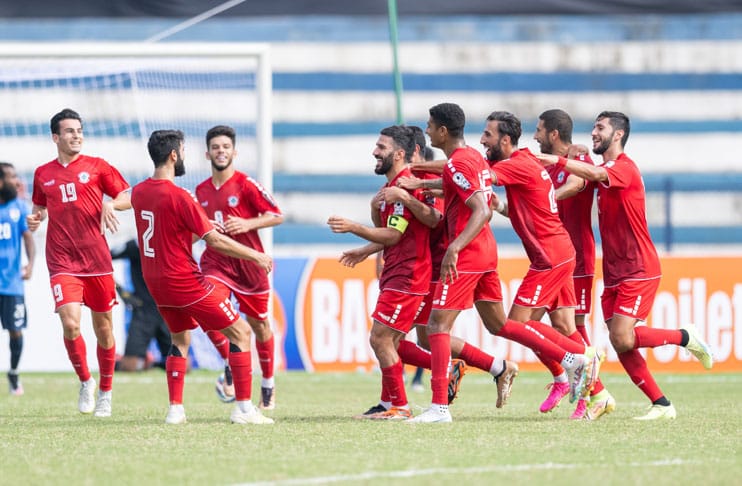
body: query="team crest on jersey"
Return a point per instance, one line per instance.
(14, 214)
(83, 177)
(398, 208)
(233, 201)
(561, 176)
(461, 181)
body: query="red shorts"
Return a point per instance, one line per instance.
(98, 292)
(632, 298)
(254, 306)
(426, 306)
(213, 313)
(584, 294)
(549, 289)
(467, 289)
(397, 309)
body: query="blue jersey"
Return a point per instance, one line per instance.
(12, 226)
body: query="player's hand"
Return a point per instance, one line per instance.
(219, 227)
(339, 225)
(393, 194)
(437, 193)
(449, 273)
(353, 257)
(26, 272)
(377, 200)
(264, 261)
(575, 150)
(236, 226)
(108, 219)
(547, 159)
(410, 183)
(33, 221)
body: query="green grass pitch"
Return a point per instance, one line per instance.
(43, 440)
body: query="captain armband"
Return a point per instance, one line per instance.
(397, 222)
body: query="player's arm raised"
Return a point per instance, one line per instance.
(387, 236)
(227, 246)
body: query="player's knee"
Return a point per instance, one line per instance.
(622, 342)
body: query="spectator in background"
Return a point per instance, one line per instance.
(146, 322)
(13, 229)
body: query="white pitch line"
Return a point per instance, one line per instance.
(411, 473)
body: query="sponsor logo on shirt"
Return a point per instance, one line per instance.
(233, 201)
(204, 203)
(398, 208)
(461, 181)
(49, 183)
(83, 177)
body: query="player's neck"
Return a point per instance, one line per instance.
(560, 150)
(452, 145)
(219, 177)
(66, 159)
(165, 172)
(612, 153)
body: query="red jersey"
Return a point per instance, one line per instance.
(576, 215)
(406, 264)
(628, 251)
(438, 242)
(73, 198)
(243, 197)
(167, 217)
(533, 210)
(466, 175)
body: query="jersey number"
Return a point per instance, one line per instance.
(219, 217)
(149, 217)
(552, 200)
(57, 291)
(69, 193)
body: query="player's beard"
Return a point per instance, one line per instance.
(220, 168)
(386, 164)
(494, 154)
(179, 167)
(546, 147)
(8, 192)
(604, 144)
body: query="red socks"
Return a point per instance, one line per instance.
(392, 381)
(647, 337)
(241, 364)
(175, 369)
(265, 356)
(440, 350)
(531, 338)
(583, 332)
(77, 353)
(106, 365)
(412, 354)
(635, 365)
(221, 343)
(477, 358)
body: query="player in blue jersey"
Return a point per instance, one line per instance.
(12, 271)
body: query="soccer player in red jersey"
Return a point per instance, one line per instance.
(631, 267)
(406, 272)
(242, 206)
(69, 190)
(469, 266)
(532, 209)
(574, 197)
(168, 219)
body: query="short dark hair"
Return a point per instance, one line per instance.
(419, 136)
(560, 121)
(451, 116)
(162, 143)
(218, 131)
(619, 121)
(3, 167)
(428, 153)
(508, 124)
(403, 138)
(66, 114)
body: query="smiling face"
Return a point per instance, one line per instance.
(221, 152)
(69, 139)
(603, 135)
(384, 154)
(543, 138)
(491, 141)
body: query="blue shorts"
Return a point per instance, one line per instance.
(13, 312)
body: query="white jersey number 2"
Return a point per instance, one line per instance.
(149, 217)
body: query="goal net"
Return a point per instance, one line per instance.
(125, 91)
